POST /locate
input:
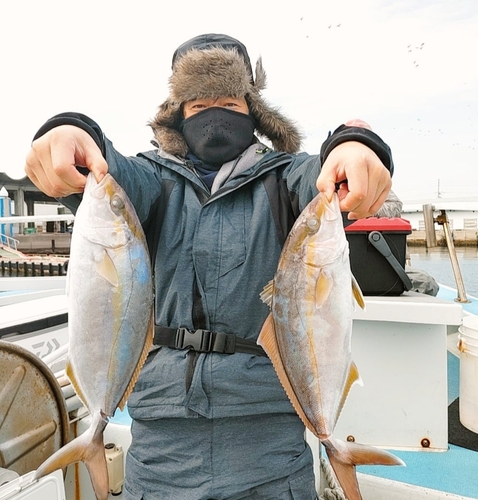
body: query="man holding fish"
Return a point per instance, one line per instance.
(211, 420)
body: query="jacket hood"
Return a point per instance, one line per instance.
(212, 66)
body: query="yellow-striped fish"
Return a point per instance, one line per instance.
(110, 318)
(308, 333)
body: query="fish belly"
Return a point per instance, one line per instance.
(315, 344)
(107, 325)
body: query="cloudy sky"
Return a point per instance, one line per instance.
(408, 67)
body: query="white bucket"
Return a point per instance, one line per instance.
(468, 346)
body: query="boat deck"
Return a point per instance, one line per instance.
(454, 471)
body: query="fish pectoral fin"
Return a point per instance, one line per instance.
(106, 268)
(357, 293)
(323, 287)
(267, 339)
(267, 293)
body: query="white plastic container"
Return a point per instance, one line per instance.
(468, 346)
(47, 488)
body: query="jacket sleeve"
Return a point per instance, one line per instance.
(78, 120)
(359, 134)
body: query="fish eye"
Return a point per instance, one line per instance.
(117, 204)
(313, 224)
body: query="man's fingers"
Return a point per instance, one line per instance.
(328, 178)
(53, 160)
(328, 189)
(370, 208)
(95, 163)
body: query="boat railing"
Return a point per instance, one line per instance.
(8, 242)
(431, 241)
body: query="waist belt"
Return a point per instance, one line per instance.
(204, 341)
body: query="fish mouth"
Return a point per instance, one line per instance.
(100, 189)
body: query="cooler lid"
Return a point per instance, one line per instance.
(50, 487)
(395, 224)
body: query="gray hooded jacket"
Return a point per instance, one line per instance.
(224, 248)
(213, 253)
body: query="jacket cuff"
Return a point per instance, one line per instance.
(78, 120)
(359, 134)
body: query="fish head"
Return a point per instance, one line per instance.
(107, 212)
(319, 237)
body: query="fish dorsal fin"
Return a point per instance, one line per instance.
(141, 361)
(106, 268)
(267, 293)
(267, 339)
(323, 287)
(357, 293)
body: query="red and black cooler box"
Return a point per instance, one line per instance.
(378, 253)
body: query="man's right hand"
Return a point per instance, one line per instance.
(52, 161)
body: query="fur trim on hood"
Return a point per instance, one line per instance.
(217, 71)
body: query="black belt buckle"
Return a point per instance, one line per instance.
(198, 340)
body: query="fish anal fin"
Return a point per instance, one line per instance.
(357, 293)
(267, 339)
(352, 378)
(106, 268)
(147, 346)
(74, 382)
(267, 293)
(323, 287)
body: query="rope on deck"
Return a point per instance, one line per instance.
(334, 492)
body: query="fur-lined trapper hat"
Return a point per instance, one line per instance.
(210, 66)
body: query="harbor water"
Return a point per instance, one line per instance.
(437, 263)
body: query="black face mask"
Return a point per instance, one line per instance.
(217, 135)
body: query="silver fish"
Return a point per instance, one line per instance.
(308, 333)
(110, 318)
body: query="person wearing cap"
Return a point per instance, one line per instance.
(216, 197)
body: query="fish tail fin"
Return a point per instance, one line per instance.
(95, 461)
(344, 457)
(87, 448)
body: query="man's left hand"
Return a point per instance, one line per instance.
(363, 179)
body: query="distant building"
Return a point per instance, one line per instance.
(24, 195)
(462, 217)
